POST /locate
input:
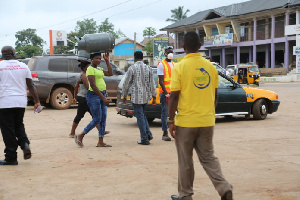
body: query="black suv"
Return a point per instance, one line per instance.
(55, 77)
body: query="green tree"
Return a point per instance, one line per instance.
(149, 47)
(149, 31)
(87, 26)
(28, 43)
(178, 14)
(72, 39)
(61, 50)
(107, 27)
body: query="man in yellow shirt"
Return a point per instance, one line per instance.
(194, 87)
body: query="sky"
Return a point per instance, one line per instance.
(127, 15)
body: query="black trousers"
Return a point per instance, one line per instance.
(13, 131)
(82, 109)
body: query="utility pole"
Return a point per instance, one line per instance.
(134, 42)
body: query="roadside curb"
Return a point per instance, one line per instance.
(288, 78)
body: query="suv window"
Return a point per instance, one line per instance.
(73, 67)
(58, 65)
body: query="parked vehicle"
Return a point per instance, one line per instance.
(218, 67)
(55, 77)
(247, 74)
(233, 99)
(231, 70)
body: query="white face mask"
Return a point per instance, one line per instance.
(170, 56)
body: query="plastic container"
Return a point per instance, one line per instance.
(97, 42)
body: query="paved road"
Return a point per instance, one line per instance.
(260, 158)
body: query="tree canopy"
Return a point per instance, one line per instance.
(178, 14)
(86, 26)
(149, 31)
(28, 43)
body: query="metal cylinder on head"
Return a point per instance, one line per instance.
(83, 55)
(97, 42)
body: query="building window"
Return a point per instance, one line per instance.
(215, 31)
(244, 32)
(261, 29)
(228, 29)
(279, 26)
(180, 40)
(292, 19)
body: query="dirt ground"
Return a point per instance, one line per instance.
(261, 159)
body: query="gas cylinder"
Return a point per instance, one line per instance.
(97, 42)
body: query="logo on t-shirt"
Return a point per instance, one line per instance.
(203, 78)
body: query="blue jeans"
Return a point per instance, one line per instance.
(164, 112)
(139, 112)
(99, 112)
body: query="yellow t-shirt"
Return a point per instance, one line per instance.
(99, 75)
(196, 79)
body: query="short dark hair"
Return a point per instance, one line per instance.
(191, 41)
(138, 55)
(95, 54)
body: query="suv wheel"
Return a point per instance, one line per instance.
(61, 98)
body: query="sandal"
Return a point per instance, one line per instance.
(77, 141)
(104, 145)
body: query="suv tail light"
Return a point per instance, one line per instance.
(34, 76)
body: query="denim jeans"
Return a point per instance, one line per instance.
(139, 112)
(99, 112)
(13, 131)
(164, 112)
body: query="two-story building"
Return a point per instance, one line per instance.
(251, 31)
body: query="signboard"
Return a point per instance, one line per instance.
(159, 45)
(298, 63)
(59, 38)
(292, 30)
(296, 50)
(222, 39)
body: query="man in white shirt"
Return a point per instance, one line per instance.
(15, 76)
(164, 72)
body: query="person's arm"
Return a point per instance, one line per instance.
(91, 79)
(33, 92)
(153, 88)
(76, 90)
(162, 84)
(126, 86)
(109, 71)
(173, 103)
(85, 81)
(216, 97)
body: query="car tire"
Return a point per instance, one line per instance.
(61, 98)
(260, 109)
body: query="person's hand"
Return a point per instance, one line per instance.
(172, 130)
(154, 101)
(106, 56)
(36, 106)
(74, 101)
(106, 102)
(124, 100)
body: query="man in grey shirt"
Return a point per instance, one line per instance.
(140, 77)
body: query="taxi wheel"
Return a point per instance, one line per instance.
(260, 109)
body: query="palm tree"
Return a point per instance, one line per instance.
(178, 14)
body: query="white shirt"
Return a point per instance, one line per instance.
(13, 88)
(160, 68)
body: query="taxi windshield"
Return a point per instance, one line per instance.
(253, 69)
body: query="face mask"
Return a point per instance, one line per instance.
(170, 56)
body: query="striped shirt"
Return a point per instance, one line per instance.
(140, 78)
